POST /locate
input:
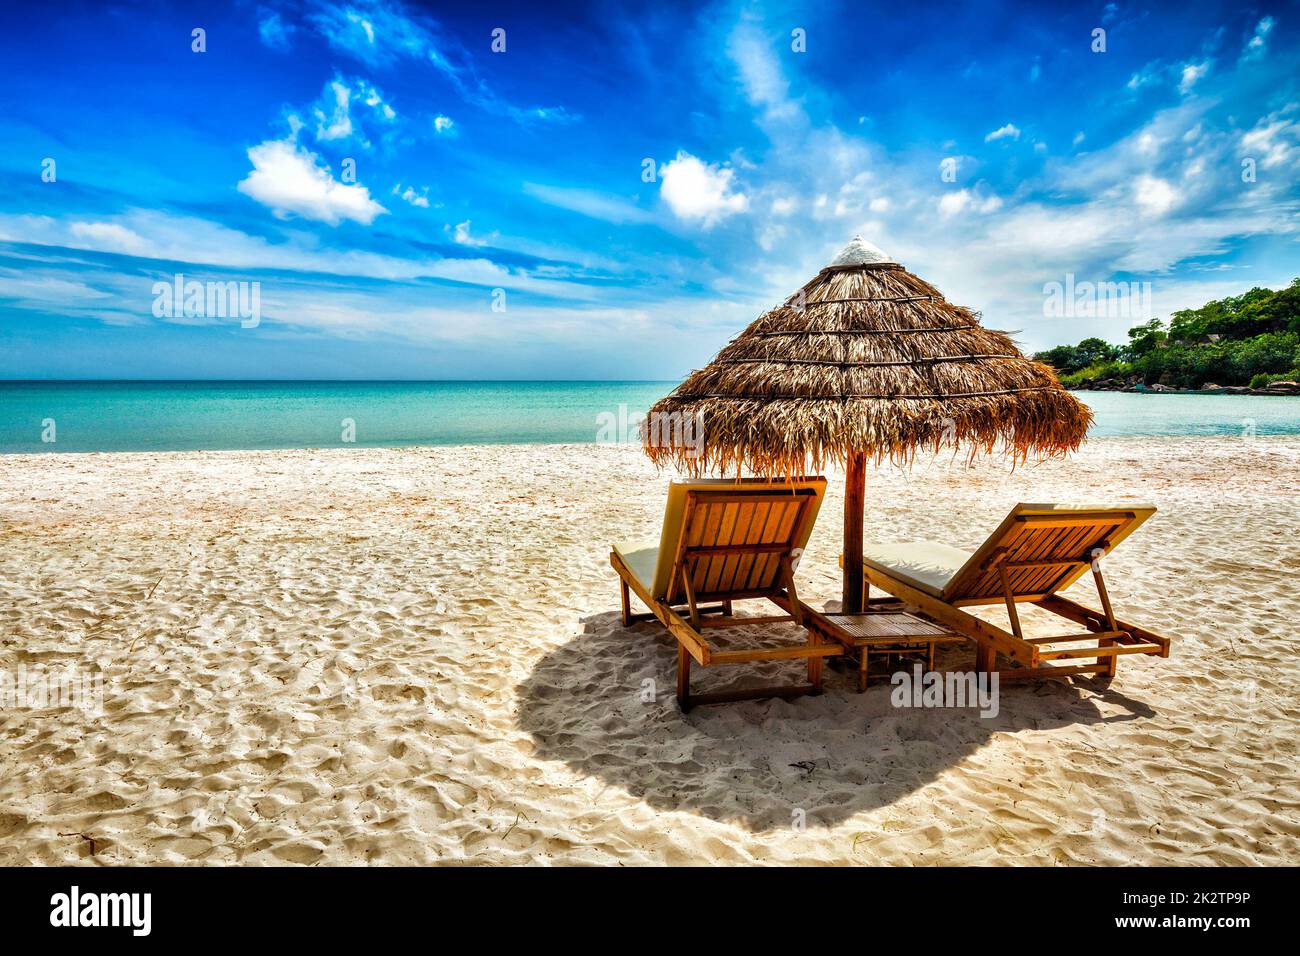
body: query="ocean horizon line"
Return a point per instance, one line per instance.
(334, 381)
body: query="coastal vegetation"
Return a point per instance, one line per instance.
(1245, 342)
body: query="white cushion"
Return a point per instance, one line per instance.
(927, 565)
(640, 558)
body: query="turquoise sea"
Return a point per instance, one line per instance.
(177, 416)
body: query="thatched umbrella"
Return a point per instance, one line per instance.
(866, 361)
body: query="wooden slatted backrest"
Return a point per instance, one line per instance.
(1044, 548)
(733, 537)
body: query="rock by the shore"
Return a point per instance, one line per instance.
(1279, 388)
(1212, 389)
(1137, 388)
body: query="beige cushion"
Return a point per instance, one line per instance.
(641, 558)
(926, 565)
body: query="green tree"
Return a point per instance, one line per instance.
(1094, 352)
(1063, 358)
(1252, 337)
(1145, 338)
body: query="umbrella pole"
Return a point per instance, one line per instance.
(855, 483)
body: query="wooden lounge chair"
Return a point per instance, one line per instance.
(723, 541)
(1037, 551)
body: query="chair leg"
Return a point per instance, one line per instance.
(1112, 663)
(683, 678)
(814, 664)
(930, 657)
(627, 603)
(864, 657)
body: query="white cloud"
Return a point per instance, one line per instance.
(275, 33)
(1193, 73)
(879, 204)
(106, 298)
(462, 235)
(442, 124)
(351, 31)
(409, 195)
(761, 74)
(338, 124)
(954, 202)
(202, 244)
(547, 114)
(1154, 196)
(783, 205)
(770, 235)
(1010, 131)
(588, 202)
(365, 25)
(333, 112)
(1146, 76)
(381, 34)
(854, 194)
(372, 98)
(289, 180)
(1078, 138)
(961, 200)
(1258, 44)
(700, 192)
(1273, 141)
(297, 304)
(109, 236)
(1147, 143)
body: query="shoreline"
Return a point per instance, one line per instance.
(1243, 390)
(469, 447)
(1280, 389)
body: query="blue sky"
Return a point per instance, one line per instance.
(522, 171)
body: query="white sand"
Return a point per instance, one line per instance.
(414, 656)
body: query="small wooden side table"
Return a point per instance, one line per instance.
(888, 632)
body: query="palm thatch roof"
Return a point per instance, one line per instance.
(866, 359)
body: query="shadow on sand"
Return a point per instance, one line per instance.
(591, 704)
